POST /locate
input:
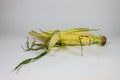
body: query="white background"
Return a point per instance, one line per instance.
(17, 17)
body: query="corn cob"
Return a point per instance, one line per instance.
(56, 38)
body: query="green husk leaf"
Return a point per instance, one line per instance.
(80, 30)
(22, 63)
(39, 36)
(30, 60)
(41, 55)
(81, 46)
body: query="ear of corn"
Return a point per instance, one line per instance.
(70, 37)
